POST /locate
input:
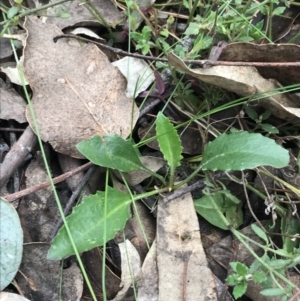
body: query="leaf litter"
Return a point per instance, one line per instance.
(64, 130)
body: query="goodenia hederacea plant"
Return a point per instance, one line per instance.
(243, 150)
(112, 151)
(87, 221)
(235, 151)
(169, 143)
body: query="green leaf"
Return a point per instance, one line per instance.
(265, 115)
(278, 11)
(272, 292)
(228, 205)
(11, 243)
(65, 16)
(87, 220)
(269, 128)
(280, 263)
(232, 279)
(254, 266)
(193, 29)
(241, 269)
(251, 113)
(259, 277)
(239, 290)
(243, 150)
(164, 32)
(13, 11)
(233, 265)
(259, 232)
(111, 152)
(168, 140)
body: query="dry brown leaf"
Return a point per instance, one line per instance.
(12, 105)
(249, 52)
(182, 266)
(41, 278)
(244, 81)
(77, 93)
(80, 16)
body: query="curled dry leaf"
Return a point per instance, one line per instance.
(138, 73)
(245, 81)
(13, 73)
(249, 52)
(77, 93)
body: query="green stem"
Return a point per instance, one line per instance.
(104, 234)
(192, 12)
(270, 20)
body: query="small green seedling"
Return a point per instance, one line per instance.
(259, 119)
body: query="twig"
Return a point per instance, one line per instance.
(73, 198)
(201, 63)
(19, 194)
(16, 156)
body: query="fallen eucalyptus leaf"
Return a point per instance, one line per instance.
(250, 52)
(245, 81)
(181, 260)
(77, 93)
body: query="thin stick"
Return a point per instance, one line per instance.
(19, 194)
(201, 63)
